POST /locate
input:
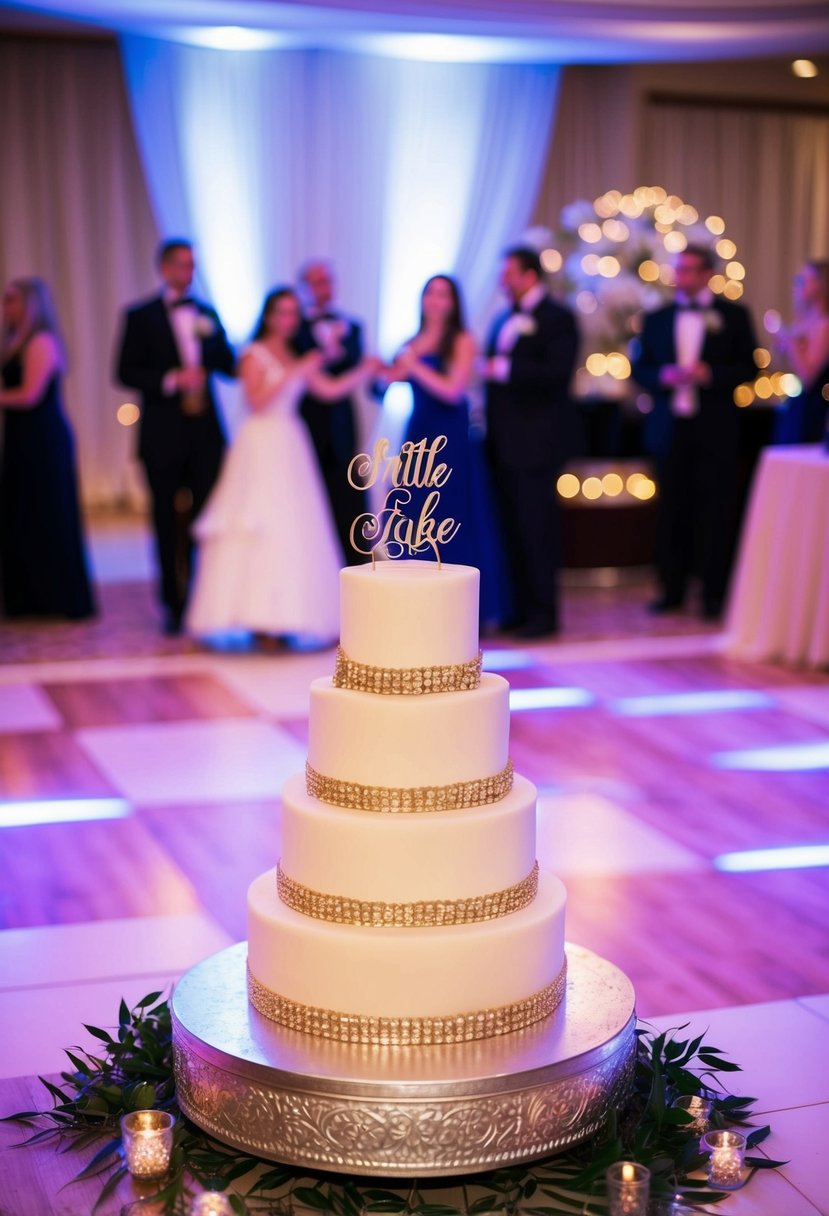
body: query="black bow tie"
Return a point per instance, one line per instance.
(182, 302)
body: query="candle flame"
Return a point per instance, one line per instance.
(627, 1172)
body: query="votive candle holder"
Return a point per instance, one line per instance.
(699, 1109)
(727, 1156)
(211, 1203)
(628, 1188)
(147, 1137)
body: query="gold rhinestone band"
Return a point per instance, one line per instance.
(462, 794)
(407, 1032)
(406, 681)
(339, 909)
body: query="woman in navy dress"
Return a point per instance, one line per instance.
(43, 570)
(438, 362)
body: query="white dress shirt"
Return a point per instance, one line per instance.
(689, 336)
(516, 324)
(183, 322)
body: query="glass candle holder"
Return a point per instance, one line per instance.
(628, 1188)
(147, 1136)
(725, 1163)
(699, 1109)
(211, 1203)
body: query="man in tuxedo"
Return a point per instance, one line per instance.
(331, 423)
(690, 357)
(169, 347)
(531, 355)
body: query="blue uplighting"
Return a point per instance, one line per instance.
(711, 701)
(792, 757)
(796, 857)
(64, 810)
(549, 698)
(507, 660)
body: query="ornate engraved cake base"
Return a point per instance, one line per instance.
(401, 1111)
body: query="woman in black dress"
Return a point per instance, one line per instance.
(43, 569)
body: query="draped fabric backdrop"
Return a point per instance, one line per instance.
(397, 169)
(73, 209)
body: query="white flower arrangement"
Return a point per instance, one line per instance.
(612, 260)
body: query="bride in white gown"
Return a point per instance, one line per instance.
(268, 553)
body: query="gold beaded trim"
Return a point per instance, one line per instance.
(353, 796)
(407, 1032)
(406, 681)
(339, 909)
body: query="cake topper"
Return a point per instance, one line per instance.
(391, 529)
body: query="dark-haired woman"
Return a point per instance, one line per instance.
(269, 558)
(43, 568)
(438, 363)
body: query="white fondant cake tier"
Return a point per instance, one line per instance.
(409, 614)
(398, 741)
(392, 972)
(366, 855)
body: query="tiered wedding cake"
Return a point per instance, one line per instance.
(407, 906)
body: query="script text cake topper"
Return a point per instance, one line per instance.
(391, 529)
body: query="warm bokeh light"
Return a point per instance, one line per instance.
(590, 233)
(596, 364)
(630, 206)
(732, 290)
(806, 69)
(568, 485)
(609, 266)
(725, 248)
(735, 270)
(612, 484)
(772, 321)
(616, 230)
(675, 241)
(687, 214)
(128, 413)
(763, 387)
(762, 357)
(743, 395)
(715, 225)
(591, 488)
(649, 271)
(618, 365)
(664, 214)
(666, 274)
(792, 387)
(717, 283)
(824, 392)
(590, 263)
(644, 489)
(551, 260)
(586, 302)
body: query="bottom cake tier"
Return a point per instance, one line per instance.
(404, 985)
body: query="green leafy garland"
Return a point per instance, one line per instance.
(136, 1073)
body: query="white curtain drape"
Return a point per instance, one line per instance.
(396, 168)
(765, 170)
(74, 210)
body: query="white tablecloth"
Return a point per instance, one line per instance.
(779, 602)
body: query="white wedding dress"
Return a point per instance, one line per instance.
(268, 556)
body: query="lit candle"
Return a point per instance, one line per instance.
(211, 1203)
(725, 1165)
(628, 1188)
(698, 1108)
(147, 1136)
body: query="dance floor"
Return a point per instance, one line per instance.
(140, 783)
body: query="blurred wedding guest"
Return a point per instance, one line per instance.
(805, 346)
(170, 346)
(332, 423)
(438, 362)
(531, 355)
(43, 568)
(691, 356)
(268, 557)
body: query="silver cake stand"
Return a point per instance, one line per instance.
(401, 1111)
